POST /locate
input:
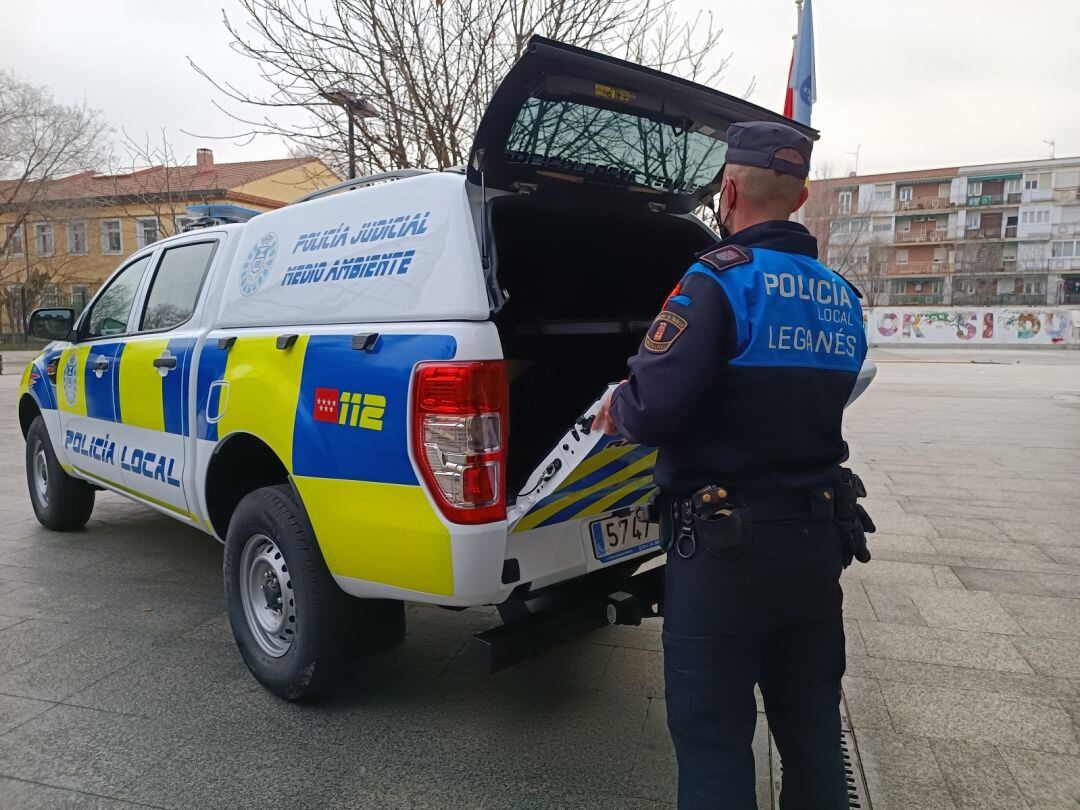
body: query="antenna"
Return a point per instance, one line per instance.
(856, 154)
(1053, 145)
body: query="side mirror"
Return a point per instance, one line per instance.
(51, 324)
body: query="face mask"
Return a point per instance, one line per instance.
(725, 231)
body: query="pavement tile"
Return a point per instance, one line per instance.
(1048, 616)
(963, 610)
(19, 795)
(1065, 555)
(979, 717)
(978, 549)
(889, 571)
(933, 645)
(1052, 656)
(1049, 781)
(865, 705)
(1040, 532)
(1033, 566)
(969, 528)
(81, 749)
(983, 579)
(977, 776)
(853, 640)
(902, 772)
(945, 578)
(17, 710)
(654, 774)
(856, 604)
(26, 640)
(65, 670)
(646, 637)
(906, 523)
(8, 621)
(893, 604)
(635, 671)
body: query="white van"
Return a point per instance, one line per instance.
(375, 395)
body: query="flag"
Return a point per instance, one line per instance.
(802, 80)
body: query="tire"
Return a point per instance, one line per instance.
(297, 631)
(60, 502)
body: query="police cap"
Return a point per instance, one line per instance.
(763, 144)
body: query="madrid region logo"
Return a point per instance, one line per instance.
(71, 381)
(257, 265)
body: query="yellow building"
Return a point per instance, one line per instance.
(60, 239)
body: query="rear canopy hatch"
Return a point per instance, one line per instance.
(567, 119)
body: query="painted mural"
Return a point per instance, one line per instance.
(959, 325)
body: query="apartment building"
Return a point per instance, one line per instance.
(60, 239)
(1004, 233)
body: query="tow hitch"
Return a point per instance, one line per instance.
(540, 621)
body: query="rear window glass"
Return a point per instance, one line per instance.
(624, 148)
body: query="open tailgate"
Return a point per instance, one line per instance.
(601, 483)
(565, 117)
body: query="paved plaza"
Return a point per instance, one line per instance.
(120, 685)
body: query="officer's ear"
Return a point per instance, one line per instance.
(802, 198)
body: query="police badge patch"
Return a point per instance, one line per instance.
(664, 331)
(71, 380)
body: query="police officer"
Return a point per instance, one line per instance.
(741, 383)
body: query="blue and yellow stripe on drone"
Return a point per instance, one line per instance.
(614, 475)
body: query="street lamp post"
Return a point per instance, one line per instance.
(355, 107)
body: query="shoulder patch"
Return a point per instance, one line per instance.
(664, 331)
(725, 256)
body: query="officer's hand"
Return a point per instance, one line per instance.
(603, 419)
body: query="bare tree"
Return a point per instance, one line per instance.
(41, 141)
(431, 67)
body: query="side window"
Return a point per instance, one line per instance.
(110, 312)
(176, 284)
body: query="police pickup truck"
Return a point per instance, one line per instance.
(375, 395)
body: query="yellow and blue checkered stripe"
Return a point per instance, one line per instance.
(614, 475)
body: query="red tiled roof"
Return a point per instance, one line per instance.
(155, 180)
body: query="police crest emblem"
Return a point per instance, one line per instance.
(71, 379)
(664, 331)
(257, 265)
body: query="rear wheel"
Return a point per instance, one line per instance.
(60, 502)
(297, 631)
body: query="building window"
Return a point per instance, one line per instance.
(901, 256)
(80, 297)
(50, 296)
(112, 239)
(1037, 181)
(1039, 216)
(973, 222)
(905, 193)
(975, 187)
(76, 238)
(904, 225)
(44, 240)
(883, 192)
(1034, 288)
(146, 231)
(1012, 186)
(1064, 250)
(844, 199)
(13, 240)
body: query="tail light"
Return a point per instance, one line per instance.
(460, 422)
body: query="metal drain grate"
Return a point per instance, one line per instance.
(858, 797)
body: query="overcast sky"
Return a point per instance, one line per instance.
(916, 84)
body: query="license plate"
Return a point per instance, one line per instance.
(618, 536)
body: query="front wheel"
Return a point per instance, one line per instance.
(296, 629)
(60, 502)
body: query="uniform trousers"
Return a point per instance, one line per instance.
(768, 613)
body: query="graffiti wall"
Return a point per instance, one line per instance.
(959, 325)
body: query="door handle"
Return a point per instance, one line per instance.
(165, 361)
(101, 364)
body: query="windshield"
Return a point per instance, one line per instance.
(619, 147)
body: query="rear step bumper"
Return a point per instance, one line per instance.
(586, 609)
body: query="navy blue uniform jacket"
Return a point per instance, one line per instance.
(743, 376)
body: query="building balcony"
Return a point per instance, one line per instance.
(905, 299)
(930, 268)
(979, 234)
(923, 204)
(927, 235)
(1067, 195)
